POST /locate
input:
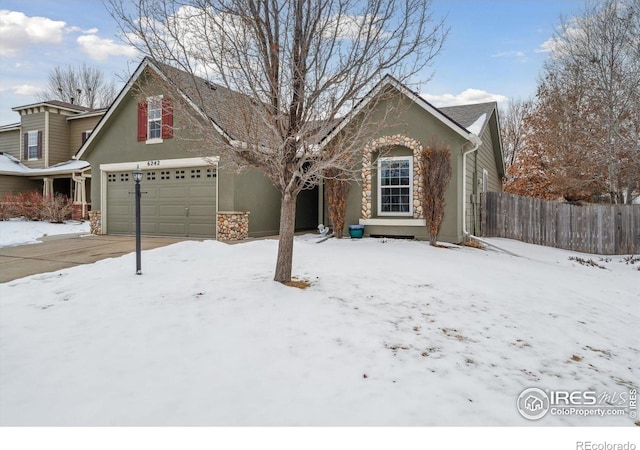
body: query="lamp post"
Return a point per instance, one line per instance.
(137, 177)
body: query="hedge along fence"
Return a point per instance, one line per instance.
(599, 229)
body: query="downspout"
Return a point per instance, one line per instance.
(476, 142)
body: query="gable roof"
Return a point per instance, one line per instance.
(58, 104)
(388, 80)
(479, 116)
(214, 106)
(468, 115)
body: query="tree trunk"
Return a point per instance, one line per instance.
(433, 239)
(284, 262)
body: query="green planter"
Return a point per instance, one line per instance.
(356, 231)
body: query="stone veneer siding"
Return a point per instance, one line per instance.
(233, 225)
(390, 141)
(95, 222)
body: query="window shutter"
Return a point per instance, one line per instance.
(40, 144)
(167, 118)
(84, 137)
(25, 147)
(142, 121)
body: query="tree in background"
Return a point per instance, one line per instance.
(298, 65)
(512, 129)
(435, 166)
(80, 85)
(582, 133)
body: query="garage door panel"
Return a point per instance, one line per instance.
(149, 193)
(119, 226)
(120, 210)
(177, 202)
(173, 192)
(172, 211)
(148, 227)
(148, 210)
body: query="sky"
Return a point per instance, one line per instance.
(494, 52)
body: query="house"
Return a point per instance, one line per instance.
(186, 191)
(391, 207)
(191, 191)
(36, 153)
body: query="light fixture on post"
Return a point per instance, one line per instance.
(137, 177)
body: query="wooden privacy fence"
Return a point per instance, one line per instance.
(600, 229)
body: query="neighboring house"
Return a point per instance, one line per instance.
(386, 200)
(36, 153)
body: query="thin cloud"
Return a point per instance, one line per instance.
(18, 31)
(466, 97)
(100, 49)
(26, 89)
(547, 46)
(517, 54)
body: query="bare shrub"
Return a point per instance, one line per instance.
(435, 165)
(56, 209)
(7, 207)
(33, 206)
(28, 205)
(336, 187)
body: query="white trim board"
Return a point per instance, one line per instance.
(394, 222)
(160, 164)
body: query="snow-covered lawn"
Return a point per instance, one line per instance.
(388, 333)
(19, 231)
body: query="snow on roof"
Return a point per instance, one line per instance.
(9, 165)
(476, 127)
(469, 115)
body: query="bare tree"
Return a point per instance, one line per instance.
(435, 166)
(513, 132)
(298, 66)
(602, 48)
(80, 85)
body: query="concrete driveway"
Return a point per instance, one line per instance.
(62, 253)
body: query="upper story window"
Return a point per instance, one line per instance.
(155, 120)
(85, 135)
(33, 145)
(395, 186)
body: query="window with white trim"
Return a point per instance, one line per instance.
(32, 145)
(395, 186)
(154, 118)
